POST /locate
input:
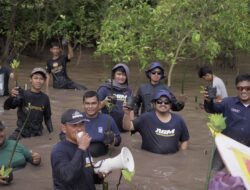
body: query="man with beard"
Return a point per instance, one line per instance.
(162, 132)
(236, 110)
(33, 105)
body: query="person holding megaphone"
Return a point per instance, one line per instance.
(70, 160)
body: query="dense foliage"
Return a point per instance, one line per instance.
(174, 30)
(141, 30)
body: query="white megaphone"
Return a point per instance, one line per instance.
(124, 160)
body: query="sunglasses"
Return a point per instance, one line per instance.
(241, 88)
(155, 73)
(162, 102)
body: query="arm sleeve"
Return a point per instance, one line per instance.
(67, 170)
(176, 105)
(138, 102)
(12, 103)
(137, 123)
(212, 107)
(102, 93)
(48, 68)
(26, 153)
(47, 117)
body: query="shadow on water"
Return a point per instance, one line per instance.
(185, 170)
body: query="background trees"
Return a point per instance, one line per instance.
(174, 30)
(165, 30)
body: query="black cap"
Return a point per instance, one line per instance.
(2, 126)
(72, 116)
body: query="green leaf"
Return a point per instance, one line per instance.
(127, 175)
(216, 122)
(2, 171)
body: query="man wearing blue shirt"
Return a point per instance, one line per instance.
(101, 127)
(70, 160)
(236, 110)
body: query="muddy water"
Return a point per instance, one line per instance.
(185, 170)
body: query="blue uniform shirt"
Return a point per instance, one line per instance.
(96, 127)
(237, 118)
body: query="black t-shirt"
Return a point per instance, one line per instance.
(159, 137)
(4, 80)
(58, 68)
(40, 110)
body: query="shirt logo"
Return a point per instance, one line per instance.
(235, 110)
(121, 97)
(76, 114)
(100, 129)
(165, 133)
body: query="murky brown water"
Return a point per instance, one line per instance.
(185, 170)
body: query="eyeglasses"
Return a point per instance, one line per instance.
(162, 102)
(241, 88)
(155, 73)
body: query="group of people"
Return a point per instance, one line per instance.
(107, 113)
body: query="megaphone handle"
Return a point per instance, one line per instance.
(91, 163)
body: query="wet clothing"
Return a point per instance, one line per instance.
(237, 118)
(39, 110)
(159, 137)
(58, 69)
(237, 122)
(4, 80)
(71, 168)
(145, 94)
(96, 128)
(121, 92)
(21, 157)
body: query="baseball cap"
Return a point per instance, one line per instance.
(2, 126)
(72, 116)
(161, 93)
(39, 70)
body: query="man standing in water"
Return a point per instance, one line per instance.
(236, 110)
(70, 160)
(57, 66)
(32, 105)
(114, 92)
(155, 74)
(207, 74)
(162, 132)
(101, 127)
